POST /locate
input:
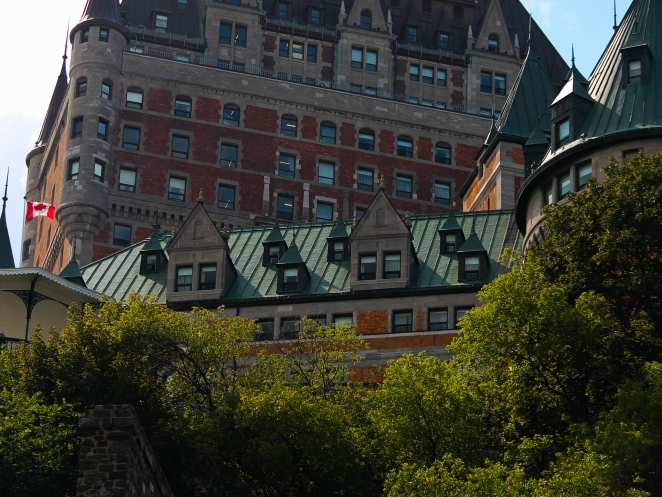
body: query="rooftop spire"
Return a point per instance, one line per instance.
(573, 55)
(530, 26)
(6, 255)
(615, 21)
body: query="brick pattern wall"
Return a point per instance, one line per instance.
(386, 142)
(516, 155)
(159, 101)
(115, 458)
(207, 109)
(309, 128)
(465, 155)
(347, 134)
(424, 148)
(261, 119)
(372, 322)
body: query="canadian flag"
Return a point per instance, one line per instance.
(39, 209)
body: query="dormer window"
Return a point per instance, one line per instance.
(368, 267)
(391, 266)
(274, 254)
(208, 277)
(634, 72)
(563, 133)
(290, 280)
(450, 243)
(443, 40)
(315, 16)
(472, 268)
(283, 8)
(151, 263)
(493, 43)
(161, 23)
(366, 19)
(184, 279)
(412, 34)
(338, 251)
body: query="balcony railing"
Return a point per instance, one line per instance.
(198, 59)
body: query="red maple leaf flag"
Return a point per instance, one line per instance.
(40, 209)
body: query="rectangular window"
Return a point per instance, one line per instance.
(438, 319)
(103, 34)
(74, 166)
(183, 107)
(180, 146)
(442, 154)
(359, 212)
(102, 130)
(450, 243)
(628, 154)
(584, 173)
(274, 254)
(312, 54)
(327, 133)
(176, 189)
(563, 133)
(225, 34)
(282, 10)
(442, 193)
(403, 186)
(440, 105)
(266, 330)
(27, 250)
(549, 195)
(77, 127)
(229, 155)
(486, 82)
(368, 267)
(285, 207)
(402, 321)
(366, 141)
(564, 185)
(364, 180)
(81, 88)
(324, 212)
(371, 91)
(428, 75)
(343, 319)
(357, 58)
(405, 148)
(326, 173)
(127, 182)
(184, 279)
(161, 23)
(290, 280)
(371, 60)
(181, 4)
(634, 72)
(288, 326)
(472, 268)
(315, 16)
(499, 85)
(356, 88)
(391, 266)
(412, 34)
(231, 115)
(84, 35)
(286, 165)
(122, 235)
(443, 40)
(208, 277)
(284, 48)
(459, 314)
(414, 72)
(240, 36)
(226, 197)
(297, 50)
(99, 169)
(106, 90)
(134, 99)
(338, 251)
(427, 102)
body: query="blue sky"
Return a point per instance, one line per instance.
(32, 61)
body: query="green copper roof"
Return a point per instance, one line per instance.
(538, 137)
(339, 230)
(528, 100)
(275, 236)
(623, 107)
(119, 274)
(292, 256)
(72, 273)
(451, 223)
(6, 255)
(472, 245)
(576, 84)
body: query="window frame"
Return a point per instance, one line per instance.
(562, 177)
(180, 154)
(326, 180)
(160, 29)
(202, 285)
(403, 328)
(185, 286)
(311, 54)
(103, 38)
(72, 173)
(368, 65)
(403, 193)
(366, 132)
(442, 200)
(444, 79)
(634, 80)
(288, 121)
(228, 115)
(230, 205)
(484, 88)
(124, 141)
(81, 88)
(579, 168)
(362, 185)
(134, 104)
(407, 152)
(298, 49)
(284, 48)
(328, 205)
(77, 122)
(458, 310)
(328, 138)
(225, 38)
(443, 325)
(365, 19)
(284, 196)
(174, 194)
(562, 141)
(226, 162)
(365, 275)
(429, 79)
(122, 242)
(106, 127)
(99, 177)
(491, 40)
(289, 174)
(109, 94)
(441, 158)
(186, 101)
(414, 72)
(388, 275)
(122, 187)
(357, 58)
(237, 41)
(498, 90)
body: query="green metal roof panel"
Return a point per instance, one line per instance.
(119, 274)
(623, 107)
(528, 100)
(275, 235)
(339, 230)
(6, 255)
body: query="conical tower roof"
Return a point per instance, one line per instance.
(59, 94)
(100, 12)
(6, 255)
(154, 243)
(621, 106)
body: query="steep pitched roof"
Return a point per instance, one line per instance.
(532, 92)
(119, 274)
(72, 272)
(339, 230)
(6, 255)
(472, 245)
(59, 93)
(575, 84)
(451, 223)
(275, 236)
(100, 12)
(292, 256)
(622, 107)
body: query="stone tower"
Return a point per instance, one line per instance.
(94, 91)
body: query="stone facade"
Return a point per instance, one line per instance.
(116, 459)
(415, 98)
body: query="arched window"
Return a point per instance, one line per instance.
(426, 7)
(231, 115)
(366, 139)
(442, 153)
(288, 126)
(81, 87)
(134, 98)
(405, 146)
(183, 106)
(493, 43)
(106, 89)
(458, 13)
(328, 132)
(366, 19)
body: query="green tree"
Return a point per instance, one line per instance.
(424, 410)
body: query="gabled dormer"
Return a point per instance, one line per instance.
(494, 35)
(72, 271)
(293, 275)
(199, 266)
(152, 256)
(473, 260)
(338, 243)
(636, 61)
(570, 108)
(274, 247)
(368, 15)
(451, 236)
(381, 251)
